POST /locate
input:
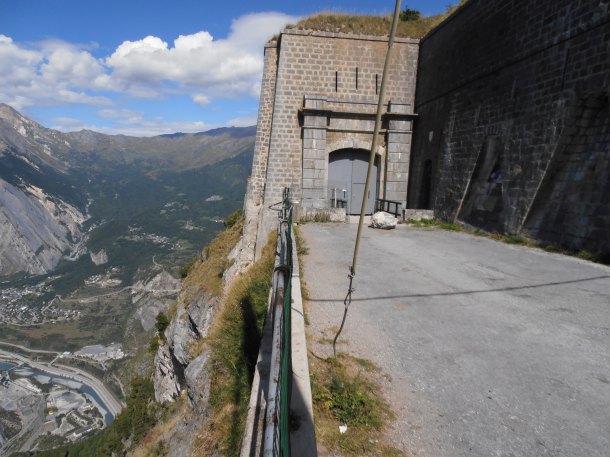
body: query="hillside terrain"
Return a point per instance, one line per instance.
(95, 232)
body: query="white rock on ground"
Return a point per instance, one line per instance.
(383, 220)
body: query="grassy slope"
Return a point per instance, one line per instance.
(371, 25)
(233, 344)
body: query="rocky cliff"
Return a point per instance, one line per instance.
(190, 323)
(181, 362)
(37, 229)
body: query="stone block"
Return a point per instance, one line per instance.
(311, 143)
(315, 154)
(396, 196)
(310, 120)
(308, 163)
(308, 184)
(308, 173)
(396, 177)
(319, 183)
(396, 187)
(307, 194)
(399, 167)
(402, 125)
(394, 107)
(321, 164)
(398, 148)
(418, 214)
(398, 157)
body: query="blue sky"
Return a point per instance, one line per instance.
(147, 67)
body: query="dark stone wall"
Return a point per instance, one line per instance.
(513, 132)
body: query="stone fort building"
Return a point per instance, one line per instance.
(498, 118)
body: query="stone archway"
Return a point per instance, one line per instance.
(329, 125)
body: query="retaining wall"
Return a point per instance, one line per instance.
(513, 132)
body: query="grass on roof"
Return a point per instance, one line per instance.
(371, 25)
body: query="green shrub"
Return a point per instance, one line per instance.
(233, 218)
(349, 397)
(161, 323)
(153, 345)
(185, 270)
(409, 15)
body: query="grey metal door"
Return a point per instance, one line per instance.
(347, 170)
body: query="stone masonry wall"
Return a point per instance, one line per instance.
(253, 201)
(513, 133)
(325, 65)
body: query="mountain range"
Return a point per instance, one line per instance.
(60, 191)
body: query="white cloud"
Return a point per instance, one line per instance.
(118, 113)
(215, 68)
(67, 66)
(65, 122)
(251, 31)
(145, 127)
(55, 73)
(201, 99)
(242, 121)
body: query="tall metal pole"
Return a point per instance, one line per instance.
(367, 186)
(384, 77)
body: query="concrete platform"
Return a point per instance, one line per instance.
(491, 349)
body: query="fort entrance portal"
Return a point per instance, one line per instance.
(347, 170)
(336, 138)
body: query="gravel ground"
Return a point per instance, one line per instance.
(491, 349)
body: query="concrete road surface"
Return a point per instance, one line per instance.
(492, 349)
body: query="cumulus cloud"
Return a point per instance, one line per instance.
(54, 73)
(138, 126)
(242, 121)
(201, 99)
(65, 122)
(215, 68)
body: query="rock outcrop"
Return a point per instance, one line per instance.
(153, 293)
(197, 379)
(99, 258)
(37, 229)
(190, 323)
(165, 380)
(182, 362)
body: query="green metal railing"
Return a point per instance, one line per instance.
(277, 434)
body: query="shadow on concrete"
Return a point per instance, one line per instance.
(463, 292)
